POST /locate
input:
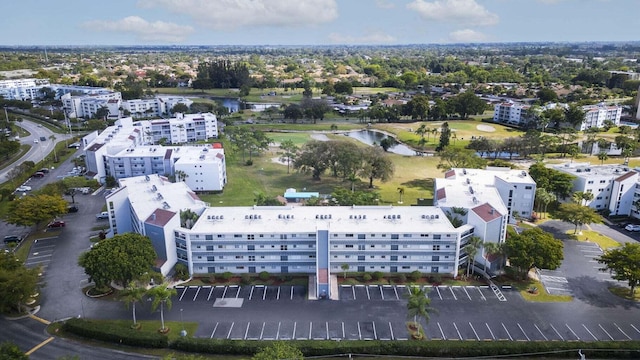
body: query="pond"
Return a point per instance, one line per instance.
(371, 137)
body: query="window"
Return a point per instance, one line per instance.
(361, 247)
(436, 247)
(348, 235)
(209, 247)
(237, 235)
(349, 246)
(362, 236)
(434, 269)
(360, 257)
(251, 237)
(239, 257)
(437, 237)
(208, 237)
(394, 258)
(394, 236)
(394, 247)
(220, 236)
(528, 187)
(251, 247)
(435, 258)
(284, 247)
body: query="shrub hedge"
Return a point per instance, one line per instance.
(110, 332)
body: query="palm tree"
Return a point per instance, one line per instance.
(401, 193)
(55, 154)
(472, 247)
(492, 248)
(603, 156)
(422, 130)
(419, 305)
(181, 175)
(352, 178)
(131, 295)
(161, 295)
(345, 268)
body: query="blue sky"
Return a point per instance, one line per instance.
(315, 22)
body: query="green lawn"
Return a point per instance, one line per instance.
(604, 242)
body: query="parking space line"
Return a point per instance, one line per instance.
(310, 328)
(570, 329)
(396, 292)
(505, 329)
(224, 292)
(210, 291)
(278, 296)
(251, 292)
(623, 333)
(466, 292)
(441, 332)
(246, 332)
(196, 294)
(230, 328)
(558, 333)
(481, 294)
(381, 293)
(452, 293)
(438, 290)
(326, 326)
(458, 331)
(359, 332)
(237, 289)
(525, 334)
(391, 330)
(343, 333)
(183, 292)
(635, 328)
(594, 337)
(214, 331)
(474, 331)
(262, 331)
(368, 296)
(295, 324)
(291, 297)
(606, 332)
(490, 332)
(353, 290)
(264, 294)
(541, 333)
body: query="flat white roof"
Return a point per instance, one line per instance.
(145, 199)
(586, 169)
(344, 219)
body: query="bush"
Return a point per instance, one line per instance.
(108, 331)
(264, 275)
(415, 275)
(366, 277)
(249, 162)
(402, 278)
(378, 275)
(226, 276)
(245, 279)
(181, 271)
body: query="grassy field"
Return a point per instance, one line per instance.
(604, 242)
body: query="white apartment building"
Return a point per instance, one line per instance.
(596, 115)
(22, 89)
(520, 114)
(613, 186)
(155, 107)
(119, 151)
(511, 113)
(86, 105)
(489, 199)
(183, 128)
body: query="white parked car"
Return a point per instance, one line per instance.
(632, 227)
(23, 188)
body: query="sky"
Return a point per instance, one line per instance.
(315, 22)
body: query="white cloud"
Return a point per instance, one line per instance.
(231, 14)
(385, 4)
(467, 36)
(468, 12)
(158, 31)
(371, 38)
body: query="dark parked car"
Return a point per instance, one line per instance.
(44, 170)
(12, 239)
(72, 209)
(56, 224)
(42, 138)
(38, 174)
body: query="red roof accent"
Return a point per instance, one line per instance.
(167, 154)
(323, 276)
(193, 195)
(216, 145)
(136, 130)
(160, 217)
(131, 137)
(441, 194)
(449, 174)
(626, 176)
(220, 156)
(486, 212)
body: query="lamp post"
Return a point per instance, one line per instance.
(183, 332)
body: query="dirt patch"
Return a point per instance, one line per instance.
(486, 128)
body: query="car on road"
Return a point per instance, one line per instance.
(12, 239)
(38, 174)
(42, 138)
(74, 146)
(23, 188)
(632, 227)
(56, 224)
(35, 141)
(103, 215)
(72, 209)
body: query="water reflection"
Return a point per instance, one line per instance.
(371, 137)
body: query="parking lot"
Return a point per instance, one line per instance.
(435, 293)
(248, 292)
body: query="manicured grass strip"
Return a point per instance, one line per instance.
(541, 295)
(604, 242)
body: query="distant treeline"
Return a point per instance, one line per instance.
(222, 74)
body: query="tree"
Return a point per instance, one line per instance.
(468, 103)
(289, 151)
(546, 95)
(131, 295)
(277, 351)
(376, 165)
(603, 156)
(534, 248)
(55, 153)
(161, 295)
(493, 248)
(418, 304)
(122, 258)
(471, 248)
(343, 87)
(445, 136)
(10, 351)
(460, 158)
(293, 112)
(35, 209)
(179, 108)
(17, 282)
(577, 214)
(401, 194)
(386, 143)
(345, 268)
(624, 264)
(102, 113)
(574, 115)
(417, 108)
(313, 157)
